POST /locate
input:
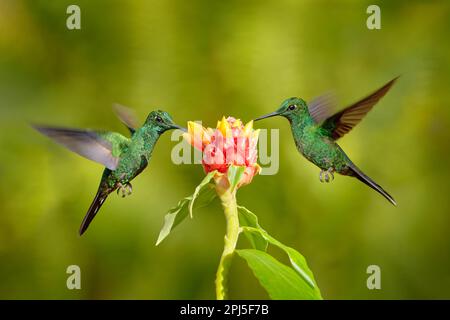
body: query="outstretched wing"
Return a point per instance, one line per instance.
(127, 116)
(344, 121)
(322, 107)
(102, 147)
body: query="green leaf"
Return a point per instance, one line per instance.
(235, 174)
(197, 190)
(259, 238)
(279, 280)
(178, 213)
(298, 262)
(249, 219)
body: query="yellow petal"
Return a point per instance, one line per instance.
(195, 128)
(237, 123)
(255, 134)
(223, 126)
(248, 128)
(206, 137)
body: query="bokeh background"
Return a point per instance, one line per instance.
(200, 60)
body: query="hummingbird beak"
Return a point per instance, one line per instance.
(272, 114)
(175, 126)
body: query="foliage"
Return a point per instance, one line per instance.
(279, 280)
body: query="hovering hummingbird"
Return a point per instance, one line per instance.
(315, 129)
(124, 158)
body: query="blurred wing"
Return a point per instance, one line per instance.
(344, 121)
(89, 144)
(127, 116)
(322, 107)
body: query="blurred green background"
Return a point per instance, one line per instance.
(200, 60)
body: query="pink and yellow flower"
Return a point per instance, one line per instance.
(230, 143)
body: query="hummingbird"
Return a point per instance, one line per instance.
(316, 128)
(124, 158)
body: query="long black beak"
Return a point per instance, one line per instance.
(175, 126)
(273, 114)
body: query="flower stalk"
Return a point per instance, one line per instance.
(230, 152)
(228, 199)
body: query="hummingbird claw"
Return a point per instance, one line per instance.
(321, 176)
(124, 189)
(326, 175)
(330, 171)
(129, 188)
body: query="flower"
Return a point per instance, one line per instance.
(230, 143)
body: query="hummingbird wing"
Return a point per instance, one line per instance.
(102, 147)
(344, 121)
(322, 107)
(127, 116)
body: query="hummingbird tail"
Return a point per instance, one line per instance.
(96, 204)
(365, 179)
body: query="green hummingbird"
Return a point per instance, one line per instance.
(316, 129)
(124, 158)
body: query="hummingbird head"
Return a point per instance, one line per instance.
(161, 121)
(289, 108)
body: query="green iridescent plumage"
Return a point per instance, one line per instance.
(124, 158)
(315, 130)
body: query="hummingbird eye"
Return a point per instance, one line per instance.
(158, 119)
(292, 107)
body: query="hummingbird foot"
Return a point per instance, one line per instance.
(326, 175)
(124, 189)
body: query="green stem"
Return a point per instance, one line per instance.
(228, 199)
